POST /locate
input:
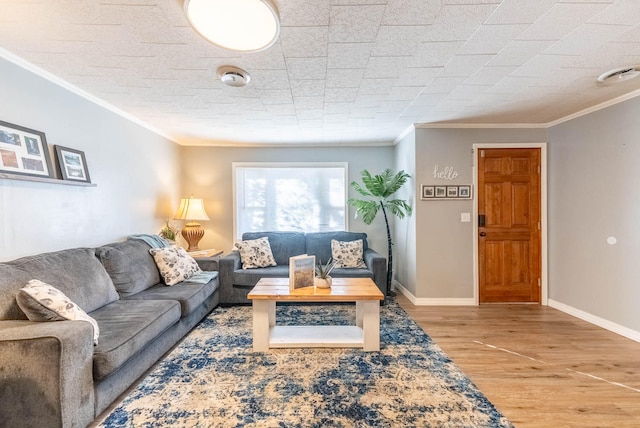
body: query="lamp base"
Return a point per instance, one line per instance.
(192, 233)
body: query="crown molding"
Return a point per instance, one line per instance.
(21, 62)
(480, 125)
(597, 107)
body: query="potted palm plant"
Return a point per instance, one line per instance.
(322, 279)
(379, 189)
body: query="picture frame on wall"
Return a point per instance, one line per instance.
(441, 191)
(452, 191)
(428, 192)
(24, 151)
(464, 192)
(73, 164)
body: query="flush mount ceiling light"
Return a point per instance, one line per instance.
(233, 76)
(619, 74)
(238, 25)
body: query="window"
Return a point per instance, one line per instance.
(303, 197)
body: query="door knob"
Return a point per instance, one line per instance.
(483, 234)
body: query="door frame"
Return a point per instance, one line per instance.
(544, 287)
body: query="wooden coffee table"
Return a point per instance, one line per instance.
(365, 334)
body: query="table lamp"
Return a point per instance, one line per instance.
(192, 209)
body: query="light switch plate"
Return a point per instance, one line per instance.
(465, 217)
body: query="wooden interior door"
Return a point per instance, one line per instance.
(509, 241)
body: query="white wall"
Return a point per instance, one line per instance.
(406, 231)
(207, 173)
(594, 179)
(135, 170)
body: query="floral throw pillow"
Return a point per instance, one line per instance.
(256, 253)
(347, 254)
(43, 302)
(174, 264)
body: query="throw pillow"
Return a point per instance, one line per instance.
(347, 254)
(256, 253)
(175, 264)
(43, 302)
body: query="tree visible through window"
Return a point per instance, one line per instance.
(290, 197)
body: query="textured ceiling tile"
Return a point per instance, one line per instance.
(348, 55)
(307, 88)
(468, 92)
(560, 20)
(518, 52)
(435, 54)
(303, 103)
(491, 39)
(489, 75)
(398, 41)
(457, 22)
(276, 96)
(304, 41)
(404, 93)
(415, 76)
(302, 13)
(344, 78)
(411, 12)
(375, 86)
(542, 66)
(341, 95)
(337, 108)
(520, 12)
(585, 38)
(270, 79)
(625, 12)
(386, 67)
(464, 65)
(307, 68)
(355, 23)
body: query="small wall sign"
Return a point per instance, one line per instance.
(447, 174)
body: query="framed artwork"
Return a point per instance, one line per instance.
(439, 193)
(428, 192)
(464, 192)
(24, 151)
(73, 165)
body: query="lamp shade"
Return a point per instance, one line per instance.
(239, 25)
(191, 209)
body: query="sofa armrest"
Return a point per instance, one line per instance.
(46, 373)
(377, 264)
(226, 266)
(208, 264)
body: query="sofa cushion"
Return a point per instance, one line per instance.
(319, 243)
(76, 272)
(42, 302)
(255, 253)
(249, 277)
(347, 254)
(175, 264)
(129, 265)
(283, 244)
(190, 294)
(127, 326)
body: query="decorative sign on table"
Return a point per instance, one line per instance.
(302, 271)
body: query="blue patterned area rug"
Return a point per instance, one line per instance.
(214, 379)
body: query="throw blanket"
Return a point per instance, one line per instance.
(155, 241)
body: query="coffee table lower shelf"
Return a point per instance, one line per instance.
(316, 336)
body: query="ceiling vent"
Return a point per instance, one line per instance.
(233, 76)
(619, 74)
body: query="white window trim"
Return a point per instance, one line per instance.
(235, 165)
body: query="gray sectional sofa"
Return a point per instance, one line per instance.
(235, 282)
(51, 374)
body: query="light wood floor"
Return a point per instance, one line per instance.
(540, 367)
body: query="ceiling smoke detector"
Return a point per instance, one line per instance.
(233, 76)
(619, 74)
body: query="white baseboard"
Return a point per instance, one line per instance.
(428, 301)
(600, 322)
